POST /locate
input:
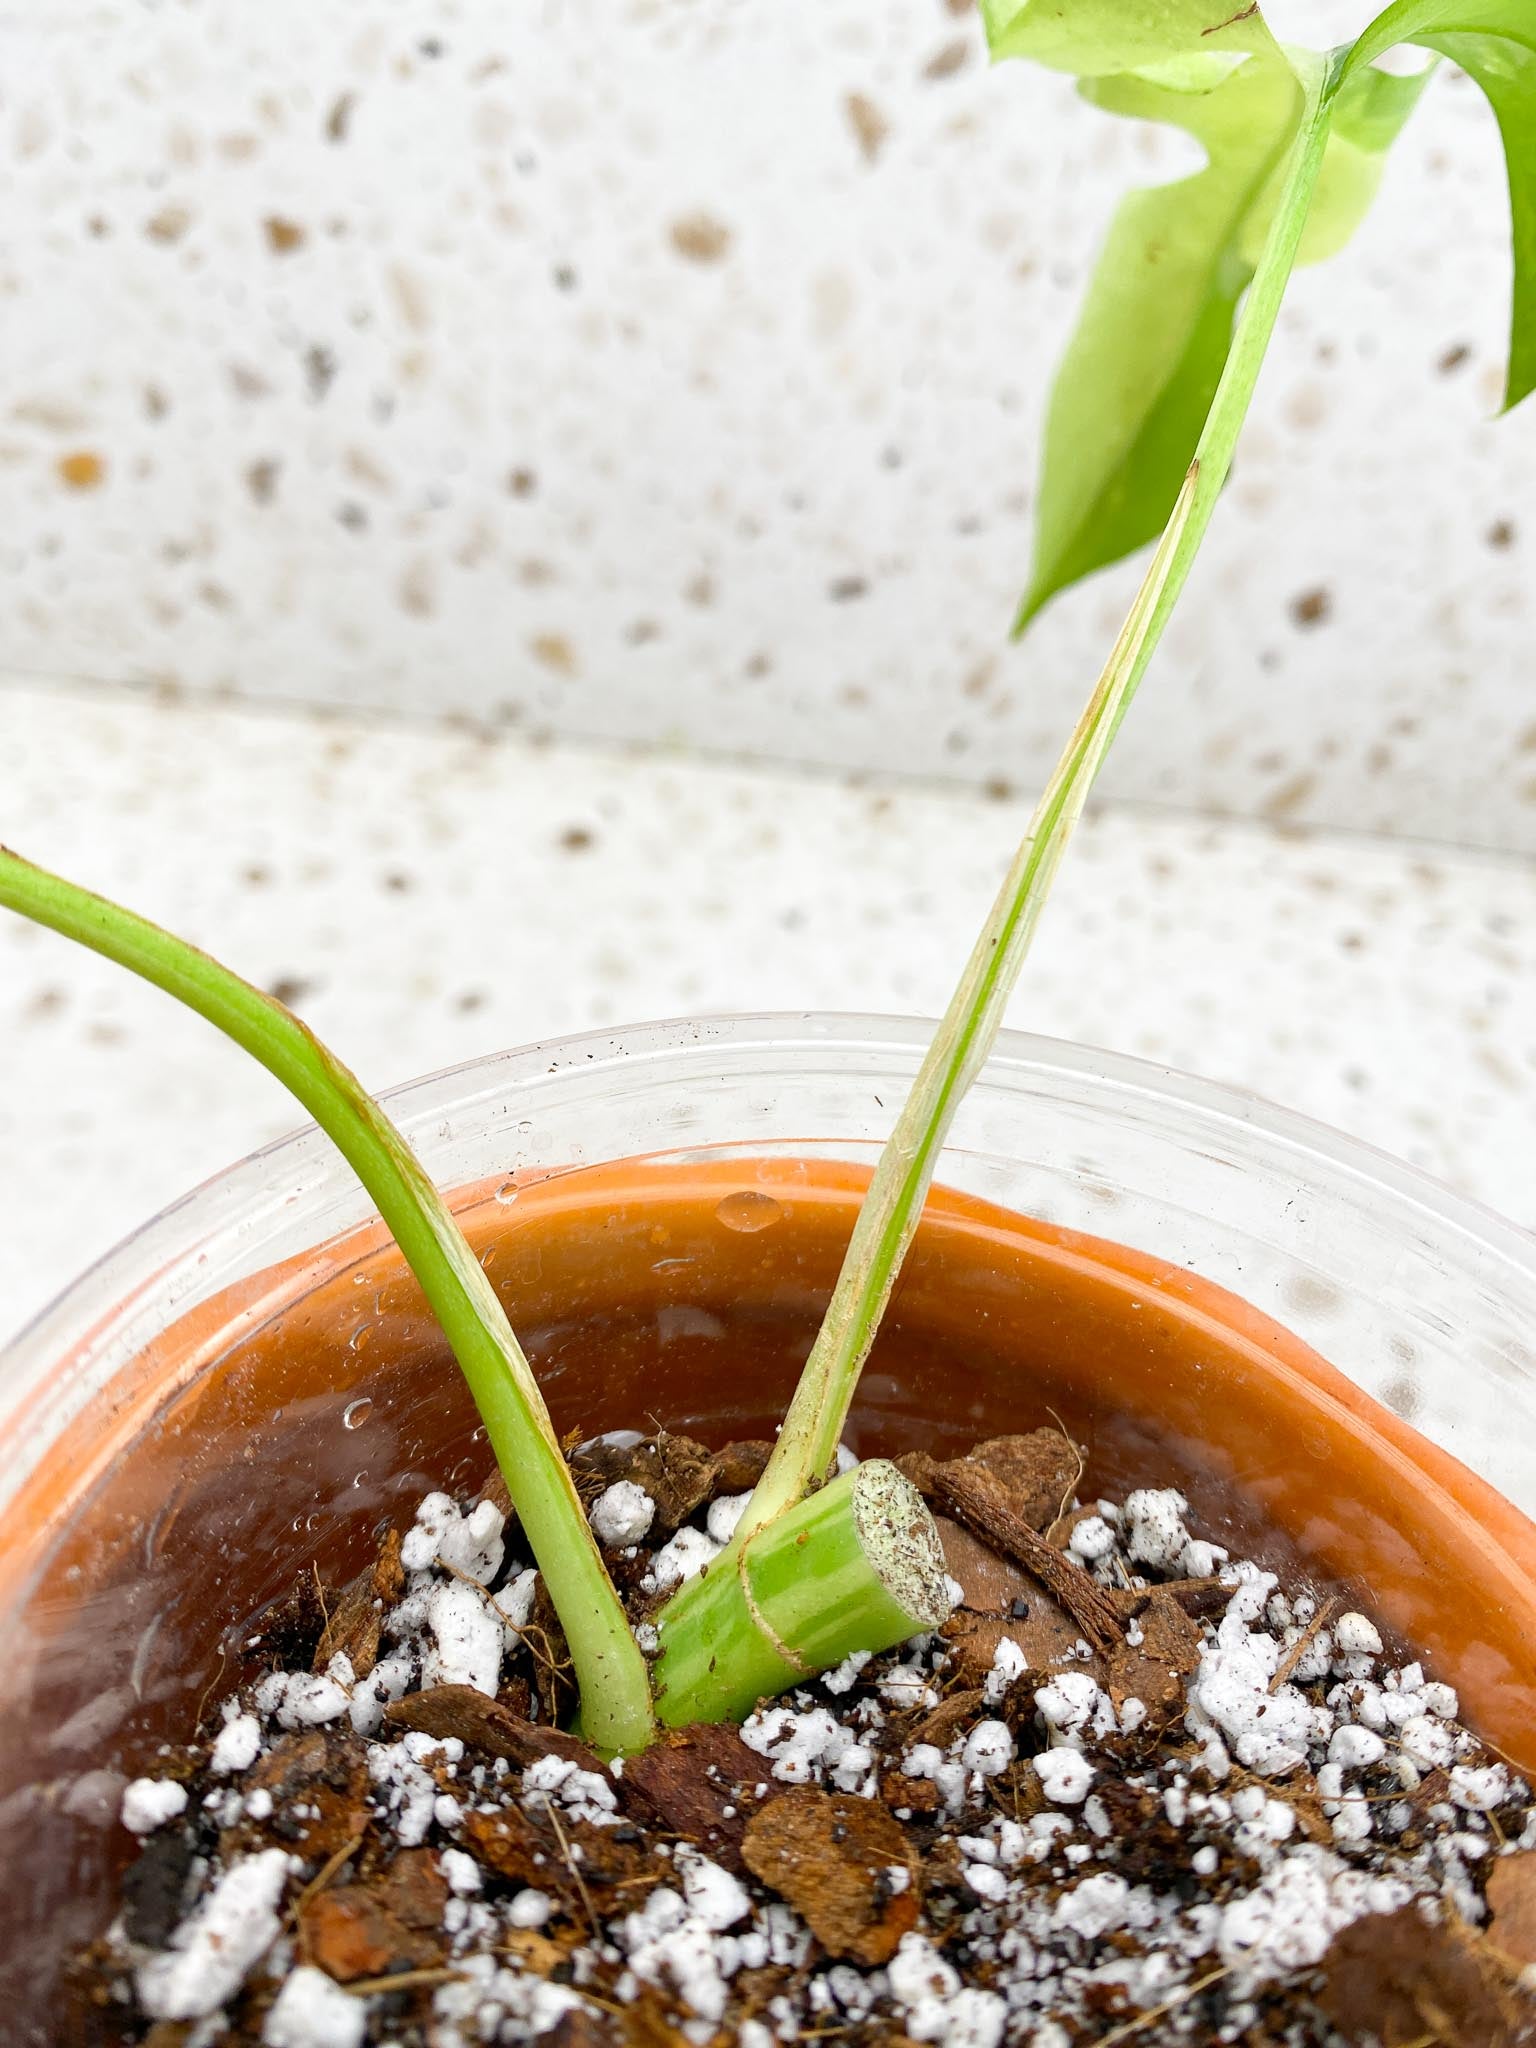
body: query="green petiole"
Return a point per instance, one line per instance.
(859, 1568)
(891, 1209)
(612, 1674)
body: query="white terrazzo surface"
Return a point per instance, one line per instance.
(680, 379)
(425, 896)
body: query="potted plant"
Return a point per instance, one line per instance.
(878, 1836)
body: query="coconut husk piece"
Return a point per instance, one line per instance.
(973, 1495)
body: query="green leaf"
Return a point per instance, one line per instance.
(1494, 42)
(1095, 38)
(1369, 109)
(1140, 371)
(1156, 323)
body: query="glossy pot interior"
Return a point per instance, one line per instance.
(283, 1405)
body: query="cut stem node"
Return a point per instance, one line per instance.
(856, 1566)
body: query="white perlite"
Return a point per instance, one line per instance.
(669, 1944)
(311, 2011)
(406, 1792)
(148, 1803)
(1008, 1665)
(1287, 1921)
(713, 1894)
(1356, 1636)
(622, 1514)
(936, 2007)
(683, 1558)
(390, 1679)
(1073, 1706)
(1363, 1731)
(1065, 1775)
(1092, 1540)
(462, 1873)
(1268, 1732)
(466, 1639)
(237, 1746)
(724, 1514)
(1096, 1906)
(499, 2004)
(843, 1677)
(808, 1747)
(988, 1748)
(1155, 1531)
(213, 1948)
(1426, 1742)
(306, 1699)
(471, 1542)
(555, 1780)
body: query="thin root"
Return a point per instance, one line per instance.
(1143, 2020)
(1302, 1644)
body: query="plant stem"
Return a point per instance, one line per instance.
(890, 1212)
(858, 1566)
(612, 1674)
(1250, 342)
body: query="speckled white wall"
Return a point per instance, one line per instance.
(674, 373)
(424, 896)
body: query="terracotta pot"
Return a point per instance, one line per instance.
(220, 1408)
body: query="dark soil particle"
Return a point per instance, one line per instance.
(1132, 1791)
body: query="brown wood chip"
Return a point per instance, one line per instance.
(1396, 1979)
(739, 1467)
(1512, 1899)
(831, 1854)
(1045, 1633)
(581, 2027)
(495, 1491)
(317, 1769)
(354, 1626)
(357, 1613)
(990, 1584)
(1039, 1470)
(485, 1724)
(946, 1719)
(1302, 1644)
(509, 1843)
(697, 1783)
(1155, 1670)
(388, 1572)
(916, 1795)
(973, 1494)
(358, 1930)
(1198, 1596)
(677, 1473)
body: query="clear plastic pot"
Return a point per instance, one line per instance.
(242, 1389)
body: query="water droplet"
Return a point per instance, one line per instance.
(360, 1479)
(747, 1210)
(356, 1413)
(525, 1128)
(507, 1193)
